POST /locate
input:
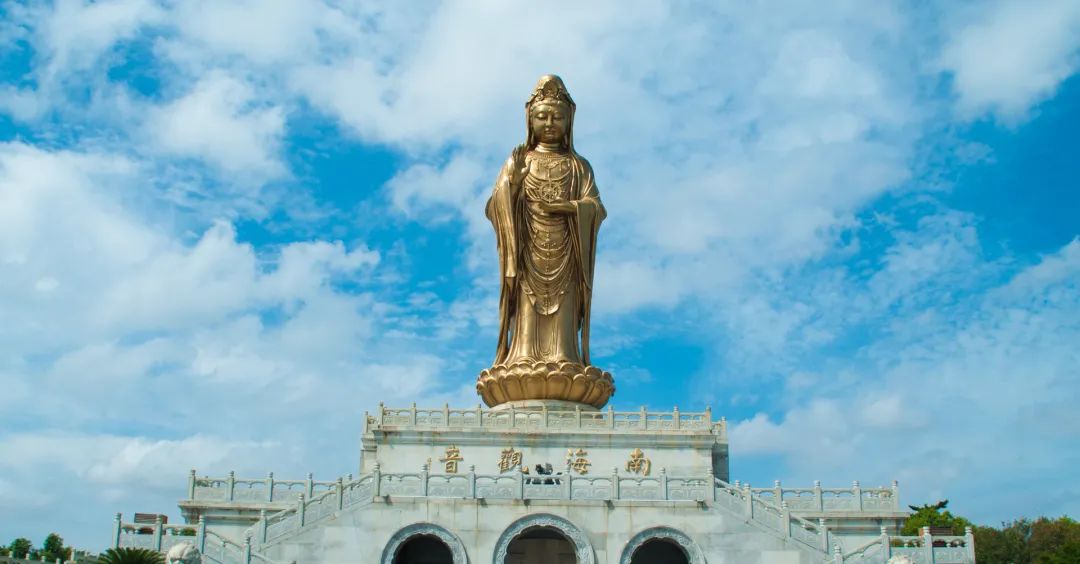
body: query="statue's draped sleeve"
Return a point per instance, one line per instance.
(502, 210)
(586, 223)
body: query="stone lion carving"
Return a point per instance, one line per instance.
(901, 559)
(183, 553)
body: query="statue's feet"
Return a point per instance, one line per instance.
(538, 380)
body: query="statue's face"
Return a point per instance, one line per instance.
(549, 122)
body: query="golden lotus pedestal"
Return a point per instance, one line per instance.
(545, 381)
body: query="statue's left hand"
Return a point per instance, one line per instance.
(558, 207)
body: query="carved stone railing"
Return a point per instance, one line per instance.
(821, 500)
(160, 537)
(254, 490)
(922, 549)
(543, 418)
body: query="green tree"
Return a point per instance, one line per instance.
(933, 515)
(1005, 545)
(53, 548)
(1055, 541)
(20, 547)
(131, 556)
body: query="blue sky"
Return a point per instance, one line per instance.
(227, 229)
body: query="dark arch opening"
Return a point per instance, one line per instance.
(424, 549)
(541, 545)
(659, 551)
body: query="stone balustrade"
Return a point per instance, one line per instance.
(924, 548)
(513, 485)
(543, 418)
(256, 490)
(160, 537)
(823, 500)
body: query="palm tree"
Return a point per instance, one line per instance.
(131, 556)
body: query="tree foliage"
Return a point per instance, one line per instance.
(1042, 541)
(131, 556)
(20, 547)
(933, 515)
(53, 548)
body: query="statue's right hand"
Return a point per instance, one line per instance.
(519, 169)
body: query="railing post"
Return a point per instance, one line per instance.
(310, 485)
(231, 485)
(778, 492)
(446, 414)
(119, 529)
(472, 481)
(191, 485)
(520, 482)
(479, 416)
(544, 410)
(270, 487)
(340, 494)
(711, 484)
(513, 416)
(614, 483)
(200, 534)
(785, 520)
(748, 497)
(577, 415)
(663, 483)
(927, 545)
(895, 494)
(856, 491)
(376, 476)
(644, 418)
(708, 417)
(412, 415)
(157, 533)
(838, 555)
(247, 549)
(823, 533)
(885, 543)
(675, 417)
(969, 543)
(568, 490)
(300, 511)
(819, 502)
(424, 479)
(263, 526)
(611, 415)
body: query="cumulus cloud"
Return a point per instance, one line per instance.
(1008, 55)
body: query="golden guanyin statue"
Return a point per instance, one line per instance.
(546, 211)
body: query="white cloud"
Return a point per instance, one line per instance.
(1008, 55)
(222, 121)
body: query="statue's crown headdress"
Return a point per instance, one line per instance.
(550, 89)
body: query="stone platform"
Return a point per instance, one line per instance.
(620, 483)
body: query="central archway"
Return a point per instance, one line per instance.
(540, 545)
(542, 539)
(661, 545)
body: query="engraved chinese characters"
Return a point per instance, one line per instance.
(638, 464)
(451, 459)
(509, 459)
(546, 212)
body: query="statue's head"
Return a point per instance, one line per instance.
(549, 114)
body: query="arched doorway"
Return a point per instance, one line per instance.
(423, 549)
(543, 538)
(659, 551)
(424, 543)
(661, 545)
(541, 545)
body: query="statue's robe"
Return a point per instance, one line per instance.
(506, 209)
